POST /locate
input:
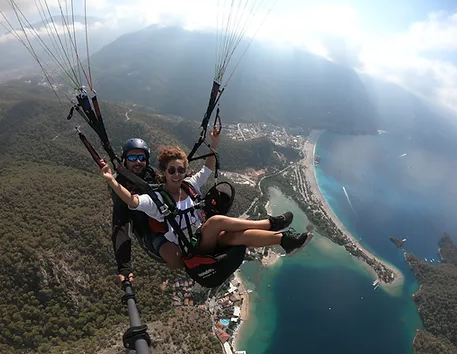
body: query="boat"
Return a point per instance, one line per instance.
(376, 282)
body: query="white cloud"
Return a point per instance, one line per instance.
(333, 31)
(411, 59)
(27, 7)
(53, 30)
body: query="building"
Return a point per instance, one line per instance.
(222, 335)
(236, 311)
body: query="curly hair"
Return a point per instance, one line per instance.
(170, 153)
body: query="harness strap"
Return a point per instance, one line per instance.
(185, 244)
(167, 209)
(215, 95)
(94, 154)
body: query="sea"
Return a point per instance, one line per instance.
(321, 301)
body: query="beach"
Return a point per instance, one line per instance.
(244, 313)
(310, 177)
(306, 176)
(271, 259)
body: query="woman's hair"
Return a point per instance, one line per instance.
(170, 153)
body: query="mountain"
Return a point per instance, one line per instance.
(407, 115)
(20, 127)
(20, 63)
(170, 71)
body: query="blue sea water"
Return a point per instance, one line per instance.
(321, 301)
(412, 196)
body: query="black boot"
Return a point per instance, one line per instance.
(292, 242)
(281, 222)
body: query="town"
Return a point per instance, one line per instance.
(227, 305)
(279, 135)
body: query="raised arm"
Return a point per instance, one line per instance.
(129, 199)
(211, 160)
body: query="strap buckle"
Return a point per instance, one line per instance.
(164, 210)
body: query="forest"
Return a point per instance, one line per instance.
(436, 301)
(60, 290)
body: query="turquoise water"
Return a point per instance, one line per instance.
(224, 322)
(322, 301)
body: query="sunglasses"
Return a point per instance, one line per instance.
(133, 158)
(172, 170)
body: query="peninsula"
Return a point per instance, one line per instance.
(327, 223)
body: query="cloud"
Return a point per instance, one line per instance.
(415, 59)
(342, 51)
(55, 30)
(27, 7)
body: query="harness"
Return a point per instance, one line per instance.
(186, 244)
(208, 270)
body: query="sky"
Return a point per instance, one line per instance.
(412, 43)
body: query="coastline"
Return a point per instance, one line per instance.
(307, 182)
(318, 198)
(271, 259)
(244, 313)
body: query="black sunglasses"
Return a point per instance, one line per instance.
(133, 158)
(172, 170)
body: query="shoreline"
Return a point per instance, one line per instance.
(244, 313)
(308, 176)
(270, 260)
(311, 178)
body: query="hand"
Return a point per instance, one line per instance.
(106, 172)
(121, 278)
(215, 136)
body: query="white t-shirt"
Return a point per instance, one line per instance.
(147, 206)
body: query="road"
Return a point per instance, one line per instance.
(273, 174)
(240, 131)
(127, 114)
(245, 215)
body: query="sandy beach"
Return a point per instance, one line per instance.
(244, 313)
(310, 176)
(307, 166)
(271, 259)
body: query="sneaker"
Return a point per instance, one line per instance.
(281, 222)
(292, 241)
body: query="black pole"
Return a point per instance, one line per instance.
(136, 336)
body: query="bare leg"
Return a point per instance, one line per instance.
(251, 238)
(219, 223)
(224, 230)
(172, 255)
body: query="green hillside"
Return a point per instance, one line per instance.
(59, 280)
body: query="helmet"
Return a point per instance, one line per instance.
(135, 143)
(219, 199)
